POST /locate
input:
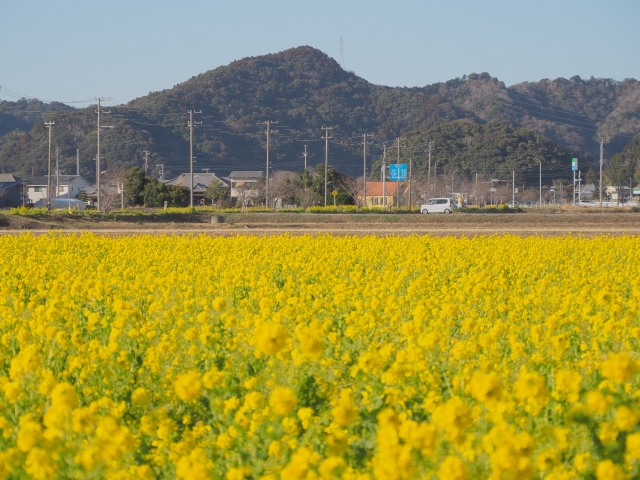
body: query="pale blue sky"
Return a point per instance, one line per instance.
(77, 49)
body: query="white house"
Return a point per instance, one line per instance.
(67, 186)
(244, 185)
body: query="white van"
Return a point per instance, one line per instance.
(438, 205)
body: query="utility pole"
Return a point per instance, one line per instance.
(161, 165)
(513, 189)
(266, 178)
(326, 160)
(601, 163)
(429, 174)
(77, 161)
(49, 125)
(305, 158)
(398, 170)
(99, 99)
(579, 187)
(384, 177)
(57, 172)
(191, 124)
(364, 144)
(540, 200)
(476, 191)
(410, 167)
(146, 161)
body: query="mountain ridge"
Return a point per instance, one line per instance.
(304, 89)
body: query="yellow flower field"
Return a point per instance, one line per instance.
(319, 357)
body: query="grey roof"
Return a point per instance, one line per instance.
(8, 178)
(43, 180)
(200, 180)
(249, 174)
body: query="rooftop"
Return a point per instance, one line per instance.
(200, 180)
(43, 180)
(246, 175)
(8, 178)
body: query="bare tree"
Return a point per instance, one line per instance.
(246, 193)
(283, 186)
(111, 188)
(354, 187)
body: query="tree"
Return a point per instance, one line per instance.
(110, 188)
(334, 179)
(215, 192)
(155, 193)
(353, 188)
(246, 193)
(134, 181)
(82, 196)
(283, 186)
(591, 177)
(178, 196)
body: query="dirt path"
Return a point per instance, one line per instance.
(587, 224)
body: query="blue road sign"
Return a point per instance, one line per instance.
(398, 171)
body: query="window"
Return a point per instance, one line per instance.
(432, 202)
(374, 200)
(37, 189)
(442, 201)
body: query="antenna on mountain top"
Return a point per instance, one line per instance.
(341, 54)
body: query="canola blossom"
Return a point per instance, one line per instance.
(319, 357)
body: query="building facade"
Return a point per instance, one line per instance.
(63, 185)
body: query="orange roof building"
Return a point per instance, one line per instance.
(375, 197)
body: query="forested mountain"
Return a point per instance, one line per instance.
(304, 90)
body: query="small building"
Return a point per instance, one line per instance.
(201, 181)
(12, 191)
(588, 192)
(618, 194)
(244, 185)
(375, 194)
(68, 186)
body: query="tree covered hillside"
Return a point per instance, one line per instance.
(492, 150)
(303, 90)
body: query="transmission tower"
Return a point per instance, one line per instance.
(341, 54)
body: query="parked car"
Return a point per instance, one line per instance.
(438, 205)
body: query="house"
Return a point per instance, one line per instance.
(12, 193)
(68, 186)
(244, 185)
(588, 192)
(375, 192)
(615, 196)
(201, 182)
